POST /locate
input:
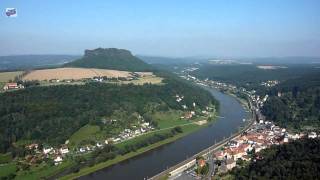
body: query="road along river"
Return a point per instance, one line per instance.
(155, 161)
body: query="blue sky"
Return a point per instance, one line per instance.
(239, 28)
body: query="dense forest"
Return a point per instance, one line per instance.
(296, 160)
(299, 104)
(52, 114)
(250, 76)
(110, 58)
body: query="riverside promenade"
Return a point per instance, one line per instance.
(182, 166)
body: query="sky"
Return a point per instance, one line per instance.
(176, 28)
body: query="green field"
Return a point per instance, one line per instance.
(85, 133)
(147, 79)
(42, 171)
(6, 169)
(5, 158)
(7, 76)
(169, 119)
(143, 80)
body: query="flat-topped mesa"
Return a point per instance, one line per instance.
(111, 52)
(110, 58)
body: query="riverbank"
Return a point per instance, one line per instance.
(180, 167)
(187, 129)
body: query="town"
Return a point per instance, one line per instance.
(260, 135)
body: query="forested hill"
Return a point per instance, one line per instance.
(241, 75)
(296, 160)
(52, 114)
(298, 103)
(110, 58)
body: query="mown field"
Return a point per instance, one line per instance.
(73, 73)
(7, 76)
(146, 79)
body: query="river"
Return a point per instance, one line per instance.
(153, 162)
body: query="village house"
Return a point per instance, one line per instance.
(230, 163)
(57, 160)
(312, 135)
(219, 155)
(47, 150)
(33, 146)
(187, 115)
(82, 150)
(64, 150)
(10, 86)
(99, 145)
(201, 162)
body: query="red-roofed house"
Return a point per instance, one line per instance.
(201, 162)
(219, 155)
(10, 86)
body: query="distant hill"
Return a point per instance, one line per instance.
(8, 63)
(110, 58)
(285, 60)
(169, 60)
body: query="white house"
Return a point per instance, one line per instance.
(312, 135)
(57, 160)
(99, 145)
(64, 150)
(47, 150)
(82, 150)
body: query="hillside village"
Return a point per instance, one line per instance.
(57, 154)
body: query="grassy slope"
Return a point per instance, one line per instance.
(42, 171)
(143, 80)
(86, 132)
(169, 119)
(6, 169)
(5, 158)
